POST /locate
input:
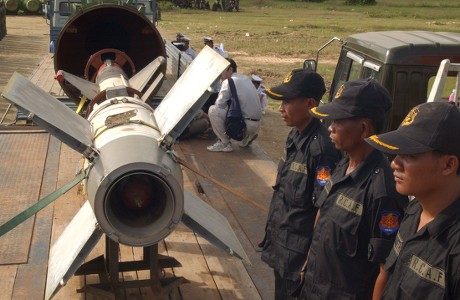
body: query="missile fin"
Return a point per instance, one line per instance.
(140, 80)
(71, 249)
(211, 225)
(51, 114)
(153, 88)
(87, 88)
(189, 93)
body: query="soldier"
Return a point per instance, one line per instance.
(304, 170)
(424, 262)
(187, 49)
(360, 210)
(208, 41)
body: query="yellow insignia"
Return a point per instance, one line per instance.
(339, 91)
(376, 140)
(313, 110)
(410, 117)
(272, 93)
(288, 77)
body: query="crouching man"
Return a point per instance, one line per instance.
(250, 107)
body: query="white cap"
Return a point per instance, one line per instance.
(185, 39)
(179, 35)
(207, 39)
(256, 78)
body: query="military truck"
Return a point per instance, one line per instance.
(405, 62)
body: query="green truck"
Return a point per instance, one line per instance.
(405, 62)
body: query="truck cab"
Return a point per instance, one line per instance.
(405, 62)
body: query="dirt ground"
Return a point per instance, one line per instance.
(13, 57)
(272, 134)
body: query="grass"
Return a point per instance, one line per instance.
(270, 38)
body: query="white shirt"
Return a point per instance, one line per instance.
(218, 50)
(247, 95)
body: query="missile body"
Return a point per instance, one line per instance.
(134, 187)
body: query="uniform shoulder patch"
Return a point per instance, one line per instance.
(389, 222)
(323, 175)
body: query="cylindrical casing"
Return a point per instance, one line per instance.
(131, 166)
(31, 6)
(105, 26)
(110, 76)
(12, 5)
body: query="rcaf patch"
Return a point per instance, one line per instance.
(323, 175)
(389, 222)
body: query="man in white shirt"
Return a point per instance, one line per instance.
(250, 108)
(216, 87)
(257, 81)
(208, 41)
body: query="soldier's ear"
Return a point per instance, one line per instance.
(311, 103)
(367, 128)
(450, 163)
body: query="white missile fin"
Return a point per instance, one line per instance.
(153, 88)
(189, 93)
(211, 225)
(71, 249)
(50, 113)
(87, 88)
(140, 80)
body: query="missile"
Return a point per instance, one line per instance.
(133, 184)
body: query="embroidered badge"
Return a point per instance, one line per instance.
(288, 77)
(339, 91)
(410, 117)
(389, 222)
(425, 270)
(349, 204)
(323, 175)
(298, 167)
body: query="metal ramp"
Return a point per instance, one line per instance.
(438, 86)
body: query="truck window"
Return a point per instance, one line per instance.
(371, 69)
(448, 87)
(353, 66)
(348, 67)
